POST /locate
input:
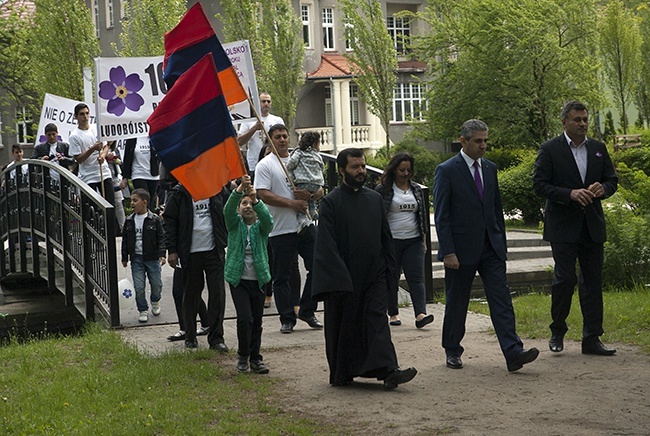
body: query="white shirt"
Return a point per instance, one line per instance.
(139, 223)
(402, 218)
(249, 263)
(269, 175)
(80, 141)
(202, 236)
(470, 164)
(256, 141)
(141, 167)
(579, 152)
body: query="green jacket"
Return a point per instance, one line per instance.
(259, 236)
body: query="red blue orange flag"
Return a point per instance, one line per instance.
(191, 39)
(191, 131)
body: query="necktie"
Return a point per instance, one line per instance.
(477, 180)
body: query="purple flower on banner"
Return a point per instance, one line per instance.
(121, 91)
(43, 138)
(599, 154)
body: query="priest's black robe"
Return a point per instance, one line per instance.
(353, 261)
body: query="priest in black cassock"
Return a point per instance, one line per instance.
(353, 261)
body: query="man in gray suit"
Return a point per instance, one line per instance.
(472, 237)
(574, 173)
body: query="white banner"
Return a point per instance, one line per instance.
(127, 92)
(60, 111)
(129, 89)
(239, 53)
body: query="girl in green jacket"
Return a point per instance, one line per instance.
(247, 269)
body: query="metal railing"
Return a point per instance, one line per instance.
(47, 210)
(374, 174)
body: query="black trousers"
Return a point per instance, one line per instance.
(211, 264)
(177, 294)
(249, 304)
(589, 254)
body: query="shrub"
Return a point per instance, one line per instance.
(517, 192)
(637, 158)
(506, 157)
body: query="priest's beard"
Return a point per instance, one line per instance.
(352, 181)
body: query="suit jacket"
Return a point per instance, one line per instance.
(556, 175)
(462, 219)
(43, 149)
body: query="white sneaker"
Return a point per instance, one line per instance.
(155, 308)
(144, 316)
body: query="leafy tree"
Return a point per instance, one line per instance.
(512, 63)
(620, 41)
(145, 24)
(15, 27)
(642, 94)
(274, 32)
(610, 130)
(62, 43)
(372, 57)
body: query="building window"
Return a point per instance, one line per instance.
(96, 17)
(399, 30)
(328, 106)
(328, 29)
(304, 16)
(354, 104)
(408, 102)
(110, 21)
(122, 13)
(24, 126)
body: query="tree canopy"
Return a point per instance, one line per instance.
(512, 63)
(372, 57)
(274, 32)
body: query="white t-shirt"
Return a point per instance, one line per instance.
(269, 175)
(402, 217)
(139, 223)
(256, 141)
(80, 141)
(249, 263)
(141, 160)
(202, 236)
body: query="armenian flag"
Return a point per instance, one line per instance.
(192, 133)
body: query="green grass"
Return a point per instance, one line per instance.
(97, 384)
(627, 316)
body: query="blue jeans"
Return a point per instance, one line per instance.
(409, 257)
(139, 270)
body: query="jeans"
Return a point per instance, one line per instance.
(249, 304)
(409, 257)
(285, 248)
(141, 269)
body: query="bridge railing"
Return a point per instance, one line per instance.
(47, 213)
(374, 175)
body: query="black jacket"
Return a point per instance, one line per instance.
(178, 221)
(43, 149)
(153, 243)
(129, 153)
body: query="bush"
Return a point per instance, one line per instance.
(637, 158)
(506, 157)
(517, 192)
(627, 249)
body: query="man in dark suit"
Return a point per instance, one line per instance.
(574, 173)
(53, 149)
(472, 237)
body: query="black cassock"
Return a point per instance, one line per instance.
(353, 263)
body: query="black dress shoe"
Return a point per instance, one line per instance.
(556, 344)
(286, 328)
(427, 319)
(524, 357)
(259, 367)
(191, 344)
(312, 321)
(597, 348)
(454, 362)
(178, 336)
(242, 363)
(220, 347)
(398, 377)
